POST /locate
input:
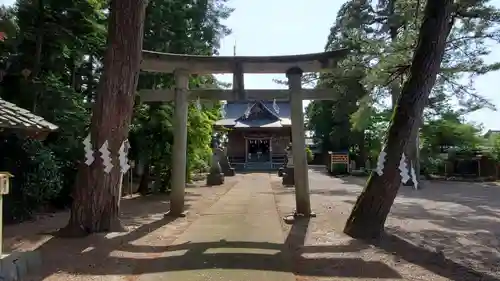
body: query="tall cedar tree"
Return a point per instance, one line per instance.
(373, 205)
(96, 194)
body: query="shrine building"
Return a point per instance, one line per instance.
(258, 133)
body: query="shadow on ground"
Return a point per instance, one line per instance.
(449, 228)
(332, 267)
(432, 261)
(95, 251)
(131, 254)
(143, 216)
(198, 256)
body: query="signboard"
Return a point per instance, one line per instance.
(339, 162)
(340, 158)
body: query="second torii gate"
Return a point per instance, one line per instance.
(183, 65)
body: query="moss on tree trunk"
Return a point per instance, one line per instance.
(96, 194)
(368, 216)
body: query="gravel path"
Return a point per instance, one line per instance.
(447, 231)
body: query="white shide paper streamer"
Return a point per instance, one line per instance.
(403, 168)
(123, 158)
(380, 163)
(89, 152)
(106, 158)
(414, 177)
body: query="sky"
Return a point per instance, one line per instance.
(278, 27)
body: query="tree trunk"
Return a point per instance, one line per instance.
(37, 64)
(412, 149)
(368, 216)
(96, 195)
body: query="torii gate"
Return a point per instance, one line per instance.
(184, 65)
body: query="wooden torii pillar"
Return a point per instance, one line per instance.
(184, 65)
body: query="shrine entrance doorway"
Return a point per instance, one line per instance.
(258, 150)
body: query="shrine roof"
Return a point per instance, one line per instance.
(14, 117)
(236, 110)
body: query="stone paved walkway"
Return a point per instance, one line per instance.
(234, 232)
(239, 238)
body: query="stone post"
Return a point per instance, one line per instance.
(179, 153)
(4, 190)
(301, 176)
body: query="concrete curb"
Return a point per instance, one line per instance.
(16, 266)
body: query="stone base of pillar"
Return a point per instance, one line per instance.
(215, 179)
(292, 218)
(288, 177)
(228, 171)
(408, 183)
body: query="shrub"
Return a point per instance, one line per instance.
(37, 178)
(309, 154)
(339, 169)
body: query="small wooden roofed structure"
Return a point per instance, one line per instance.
(21, 121)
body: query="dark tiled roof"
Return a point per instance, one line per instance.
(14, 117)
(235, 110)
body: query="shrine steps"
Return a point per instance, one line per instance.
(258, 166)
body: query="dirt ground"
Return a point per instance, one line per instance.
(446, 231)
(86, 258)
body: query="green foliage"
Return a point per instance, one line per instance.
(449, 131)
(192, 27)
(37, 177)
(443, 136)
(494, 142)
(61, 44)
(381, 36)
(339, 169)
(42, 180)
(309, 154)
